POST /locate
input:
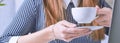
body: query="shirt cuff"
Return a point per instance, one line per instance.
(106, 39)
(14, 39)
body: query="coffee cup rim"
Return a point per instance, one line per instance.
(84, 7)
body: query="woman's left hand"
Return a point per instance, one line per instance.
(104, 16)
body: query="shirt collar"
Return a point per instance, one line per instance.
(75, 2)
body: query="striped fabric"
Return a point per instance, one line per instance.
(25, 20)
(30, 18)
(68, 13)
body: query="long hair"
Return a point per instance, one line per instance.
(54, 13)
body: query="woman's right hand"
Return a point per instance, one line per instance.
(62, 30)
(67, 31)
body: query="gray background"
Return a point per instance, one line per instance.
(115, 28)
(7, 13)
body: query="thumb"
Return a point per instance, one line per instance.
(68, 40)
(97, 7)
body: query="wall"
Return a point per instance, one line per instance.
(7, 12)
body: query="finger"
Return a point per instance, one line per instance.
(67, 24)
(97, 7)
(75, 30)
(73, 36)
(105, 10)
(100, 18)
(69, 36)
(102, 12)
(103, 22)
(85, 34)
(78, 35)
(75, 33)
(68, 40)
(82, 30)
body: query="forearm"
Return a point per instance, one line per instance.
(43, 36)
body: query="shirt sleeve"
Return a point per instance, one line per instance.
(23, 23)
(106, 39)
(14, 39)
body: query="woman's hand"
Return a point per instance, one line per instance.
(63, 30)
(105, 16)
(67, 31)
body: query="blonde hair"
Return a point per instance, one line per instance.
(54, 13)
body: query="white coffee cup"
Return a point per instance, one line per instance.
(84, 14)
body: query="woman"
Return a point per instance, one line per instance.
(45, 20)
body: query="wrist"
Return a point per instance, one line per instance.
(50, 33)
